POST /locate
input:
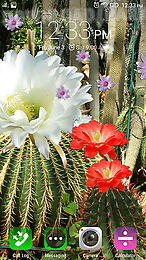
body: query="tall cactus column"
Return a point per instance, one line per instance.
(115, 70)
(78, 18)
(94, 74)
(47, 18)
(137, 118)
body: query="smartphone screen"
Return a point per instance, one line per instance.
(72, 129)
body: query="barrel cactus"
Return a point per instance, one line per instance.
(107, 203)
(111, 210)
(32, 187)
(39, 100)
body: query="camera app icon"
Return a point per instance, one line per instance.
(90, 238)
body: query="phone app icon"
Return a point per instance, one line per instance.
(90, 238)
(20, 238)
(55, 238)
(125, 238)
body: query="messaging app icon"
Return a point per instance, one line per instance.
(20, 238)
(55, 238)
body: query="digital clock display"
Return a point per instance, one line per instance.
(82, 25)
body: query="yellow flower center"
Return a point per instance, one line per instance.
(83, 56)
(30, 103)
(17, 103)
(107, 172)
(97, 136)
(14, 23)
(105, 84)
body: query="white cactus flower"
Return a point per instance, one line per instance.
(38, 97)
(82, 120)
(108, 48)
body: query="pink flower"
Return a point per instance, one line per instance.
(105, 83)
(83, 56)
(142, 67)
(62, 93)
(13, 22)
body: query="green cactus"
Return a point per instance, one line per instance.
(111, 210)
(122, 121)
(115, 66)
(32, 188)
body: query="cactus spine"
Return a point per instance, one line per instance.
(111, 210)
(137, 118)
(31, 187)
(115, 70)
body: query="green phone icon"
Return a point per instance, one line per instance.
(20, 238)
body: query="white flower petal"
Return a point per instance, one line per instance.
(81, 97)
(33, 125)
(18, 136)
(3, 115)
(51, 130)
(19, 118)
(82, 120)
(10, 57)
(41, 55)
(5, 124)
(35, 82)
(66, 121)
(79, 76)
(70, 70)
(24, 69)
(42, 145)
(57, 110)
(61, 153)
(54, 61)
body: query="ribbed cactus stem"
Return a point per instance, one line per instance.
(111, 210)
(31, 41)
(94, 74)
(32, 188)
(137, 118)
(115, 69)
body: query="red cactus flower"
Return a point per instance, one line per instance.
(97, 138)
(107, 174)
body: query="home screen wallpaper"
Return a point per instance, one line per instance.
(72, 129)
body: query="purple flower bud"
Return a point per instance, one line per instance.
(62, 93)
(13, 22)
(142, 67)
(83, 56)
(105, 83)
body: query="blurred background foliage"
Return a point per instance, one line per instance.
(30, 11)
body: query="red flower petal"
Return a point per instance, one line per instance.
(107, 174)
(90, 151)
(121, 187)
(97, 138)
(103, 187)
(112, 154)
(114, 183)
(76, 144)
(104, 148)
(91, 183)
